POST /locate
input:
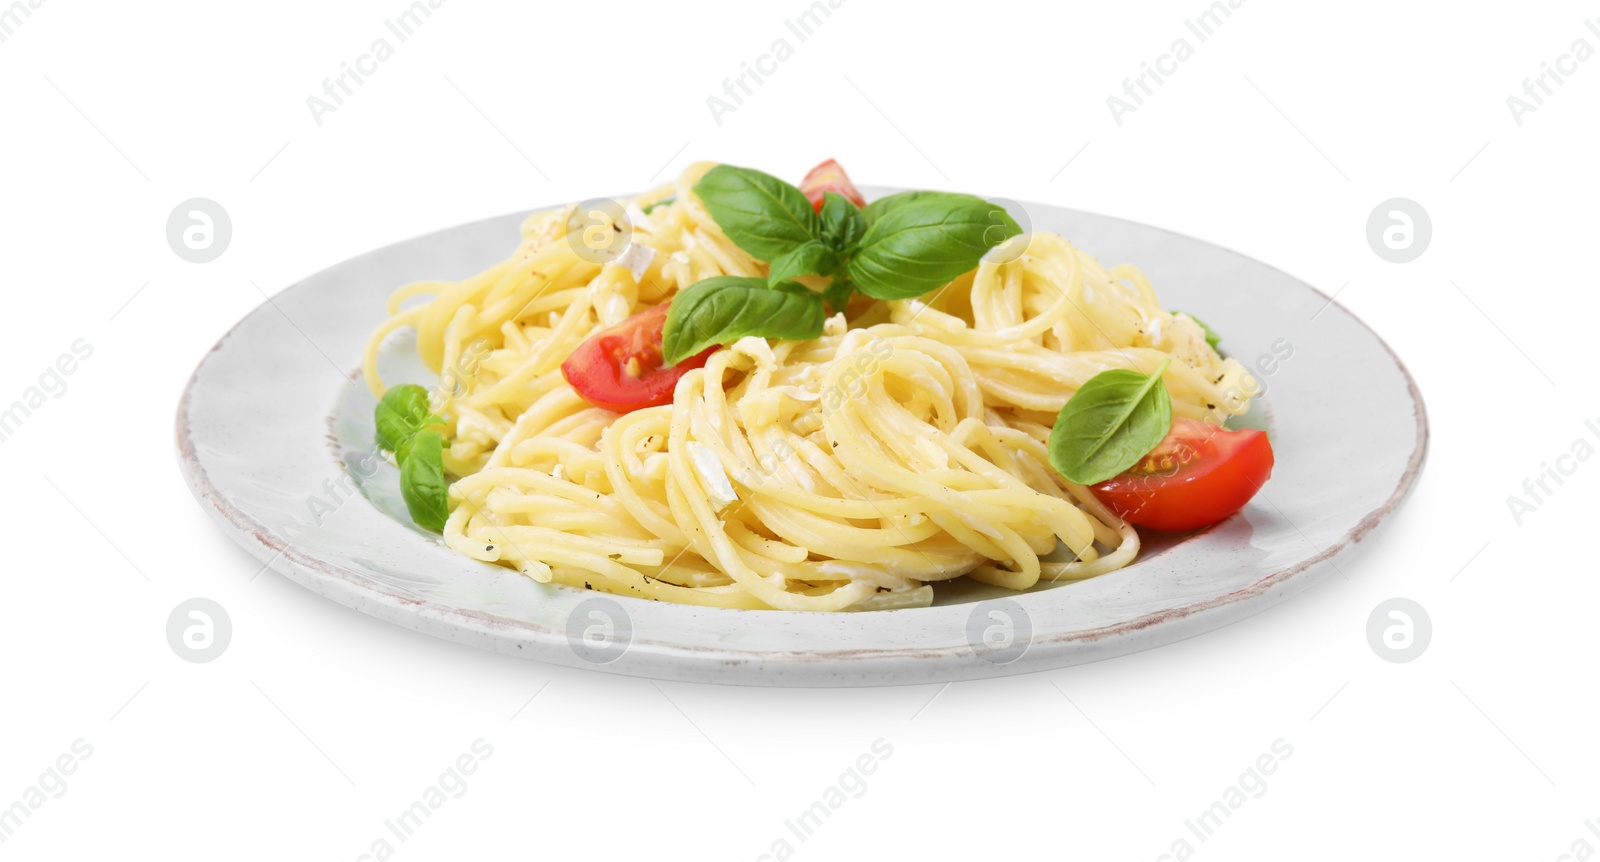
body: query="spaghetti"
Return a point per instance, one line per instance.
(903, 447)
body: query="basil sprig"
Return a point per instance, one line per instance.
(404, 423)
(402, 412)
(726, 308)
(1115, 419)
(899, 247)
(422, 481)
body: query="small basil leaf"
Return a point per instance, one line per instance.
(842, 223)
(921, 244)
(726, 308)
(762, 214)
(812, 258)
(660, 203)
(401, 413)
(838, 293)
(1118, 417)
(422, 481)
(1212, 338)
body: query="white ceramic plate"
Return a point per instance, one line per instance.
(273, 430)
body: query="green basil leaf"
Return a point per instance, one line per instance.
(877, 208)
(921, 244)
(401, 413)
(1212, 338)
(842, 223)
(1118, 417)
(813, 258)
(762, 214)
(882, 206)
(726, 308)
(660, 203)
(422, 481)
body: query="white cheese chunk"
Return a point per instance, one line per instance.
(636, 260)
(709, 468)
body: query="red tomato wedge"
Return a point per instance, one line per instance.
(830, 177)
(620, 369)
(1198, 475)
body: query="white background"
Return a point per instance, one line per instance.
(1277, 138)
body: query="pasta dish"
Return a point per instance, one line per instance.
(736, 392)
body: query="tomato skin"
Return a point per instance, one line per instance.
(598, 368)
(1209, 474)
(830, 177)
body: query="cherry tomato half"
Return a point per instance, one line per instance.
(830, 177)
(1198, 475)
(619, 368)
